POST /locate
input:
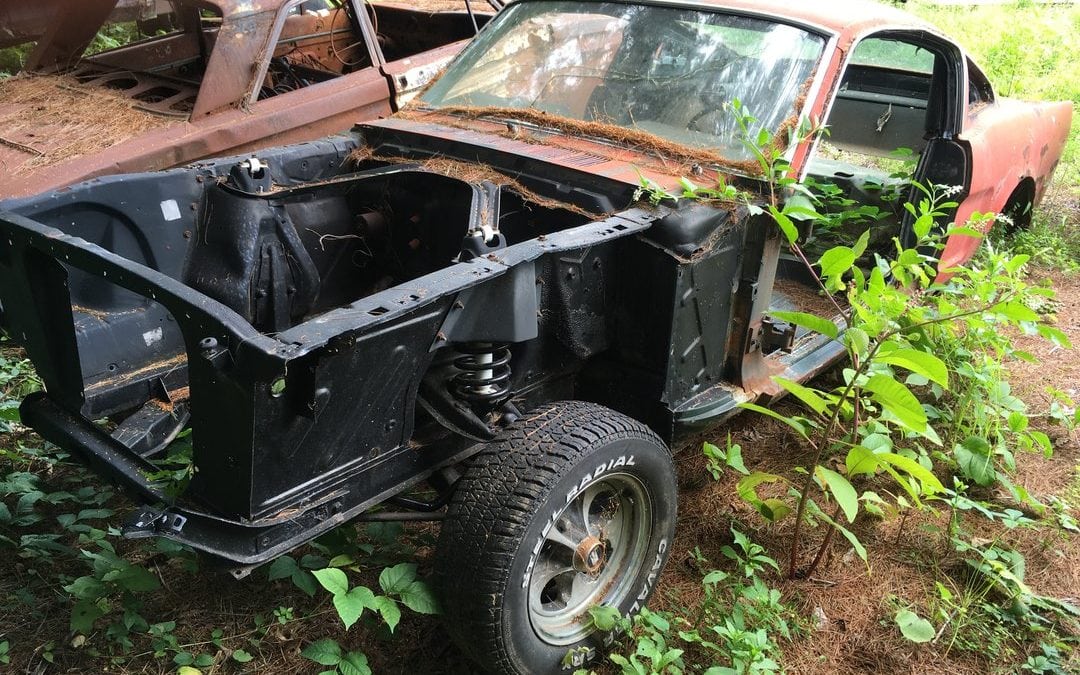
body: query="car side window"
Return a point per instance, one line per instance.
(318, 42)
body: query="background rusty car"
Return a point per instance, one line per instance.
(22, 22)
(214, 77)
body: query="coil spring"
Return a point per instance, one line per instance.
(485, 372)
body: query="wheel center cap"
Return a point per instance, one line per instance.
(589, 556)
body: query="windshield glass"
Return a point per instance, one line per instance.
(663, 70)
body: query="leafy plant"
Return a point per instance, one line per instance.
(913, 626)
(730, 456)
(399, 583)
(733, 628)
(327, 652)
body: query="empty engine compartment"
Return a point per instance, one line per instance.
(280, 256)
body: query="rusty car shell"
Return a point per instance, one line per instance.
(22, 22)
(660, 312)
(223, 112)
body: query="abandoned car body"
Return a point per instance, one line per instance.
(224, 76)
(467, 293)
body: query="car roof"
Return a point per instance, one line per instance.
(846, 18)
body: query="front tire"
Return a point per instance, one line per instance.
(572, 506)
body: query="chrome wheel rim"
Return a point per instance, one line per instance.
(590, 556)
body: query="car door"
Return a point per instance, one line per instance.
(318, 75)
(416, 44)
(900, 95)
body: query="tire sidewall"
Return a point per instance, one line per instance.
(649, 462)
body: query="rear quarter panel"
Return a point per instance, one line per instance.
(1010, 141)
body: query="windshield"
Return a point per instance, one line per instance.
(663, 70)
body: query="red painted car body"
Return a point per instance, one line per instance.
(221, 76)
(1001, 152)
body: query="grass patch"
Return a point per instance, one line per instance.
(1027, 50)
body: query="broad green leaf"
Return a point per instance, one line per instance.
(188, 670)
(842, 491)
(786, 226)
(965, 231)
(860, 245)
(860, 550)
(397, 578)
(9, 411)
(898, 400)
(810, 322)
(922, 226)
(240, 656)
(281, 568)
(930, 482)
(604, 617)
(914, 627)
(304, 580)
(735, 460)
(333, 580)
(388, 609)
(974, 458)
(1017, 262)
(354, 663)
(1018, 421)
(325, 652)
(1055, 336)
(133, 578)
(857, 340)
(923, 363)
(808, 396)
(836, 261)
(419, 598)
(791, 422)
(350, 606)
(87, 588)
(747, 487)
(860, 460)
(773, 509)
(1016, 311)
(83, 616)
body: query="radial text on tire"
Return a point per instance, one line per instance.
(572, 506)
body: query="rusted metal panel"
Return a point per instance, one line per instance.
(275, 121)
(221, 104)
(26, 21)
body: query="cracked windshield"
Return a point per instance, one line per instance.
(670, 72)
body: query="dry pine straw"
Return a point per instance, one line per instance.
(72, 120)
(640, 141)
(858, 635)
(471, 173)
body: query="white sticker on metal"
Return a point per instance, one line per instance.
(170, 210)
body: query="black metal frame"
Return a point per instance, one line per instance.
(655, 312)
